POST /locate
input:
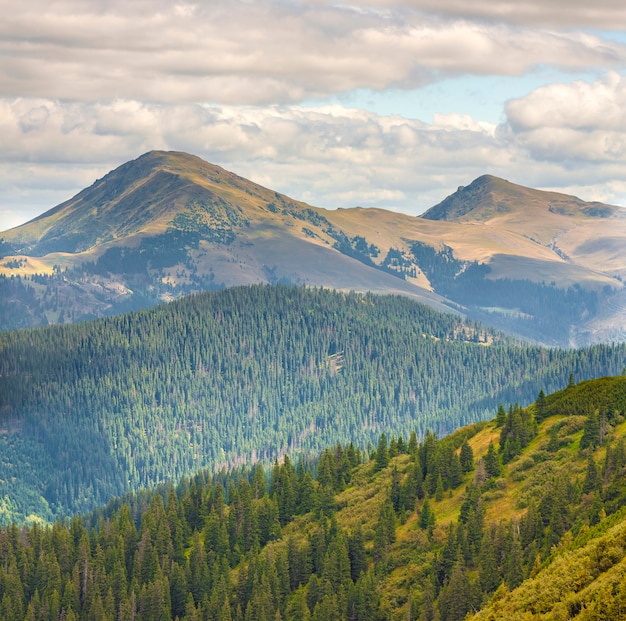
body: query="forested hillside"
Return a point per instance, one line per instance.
(95, 409)
(523, 517)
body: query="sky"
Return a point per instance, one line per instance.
(380, 103)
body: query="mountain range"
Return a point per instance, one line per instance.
(541, 265)
(519, 518)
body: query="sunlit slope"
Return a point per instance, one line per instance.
(208, 221)
(589, 235)
(571, 555)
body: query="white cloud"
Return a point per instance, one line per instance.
(330, 156)
(576, 122)
(607, 14)
(262, 52)
(88, 84)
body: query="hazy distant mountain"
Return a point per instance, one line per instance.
(542, 265)
(488, 198)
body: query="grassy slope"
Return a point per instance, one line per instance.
(584, 579)
(569, 579)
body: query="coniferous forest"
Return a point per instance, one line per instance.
(521, 517)
(223, 379)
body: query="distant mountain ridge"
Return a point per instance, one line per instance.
(146, 194)
(540, 265)
(488, 197)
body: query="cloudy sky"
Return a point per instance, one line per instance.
(388, 103)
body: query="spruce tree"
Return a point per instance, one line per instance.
(382, 453)
(466, 457)
(541, 406)
(427, 517)
(591, 432)
(492, 462)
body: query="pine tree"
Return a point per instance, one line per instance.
(500, 416)
(395, 493)
(412, 489)
(591, 476)
(541, 406)
(382, 453)
(356, 550)
(514, 561)
(455, 600)
(466, 457)
(489, 570)
(427, 517)
(591, 432)
(412, 446)
(439, 489)
(259, 483)
(385, 532)
(492, 462)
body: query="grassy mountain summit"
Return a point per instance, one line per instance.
(522, 517)
(149, 195)
(541, 265)
(490, 197)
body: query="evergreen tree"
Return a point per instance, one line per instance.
(455, 600)
(426, 517)
(541, 406)
(466, 457)
(412, 488)
(514, 561)
(412, 446)
(500, 416)
(382, 453)
(385, 532)
(492, 462)
(395, 493)
(489, 570)
(356, 550)
(439, 489)
(591, 477)
(591, 432)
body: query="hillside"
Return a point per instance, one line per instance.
(523, 517)
(540, 265)
(94, 409)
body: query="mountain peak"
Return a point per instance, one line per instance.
(489, 197)
(144, 195)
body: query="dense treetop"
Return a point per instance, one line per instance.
(94, 409)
